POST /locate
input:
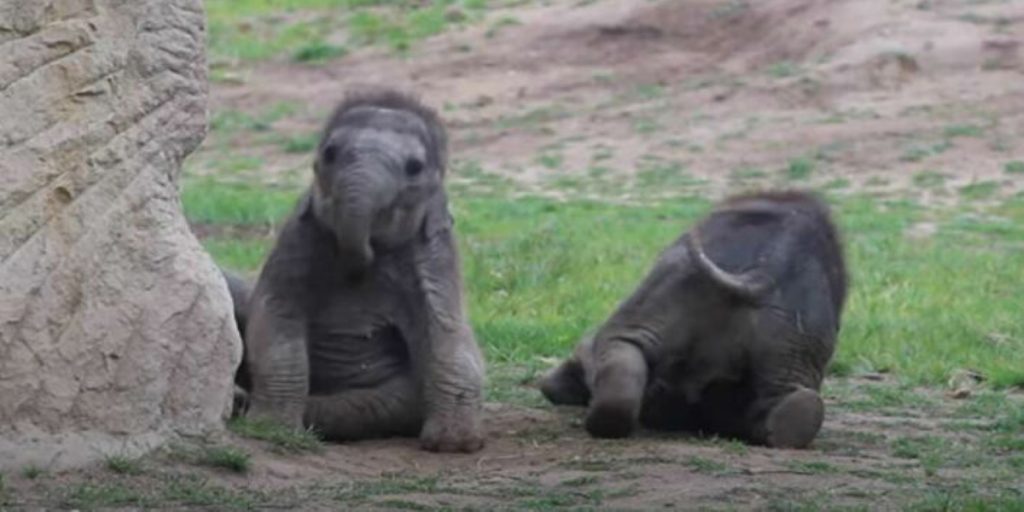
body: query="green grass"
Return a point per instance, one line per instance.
(550, 160)
(226, 457)
(123, 465)
(292, 441)
(207, 200)
(253, 30)
(705, 465)
(812, 466)
(32, 472)
(663, 176)
(979, 190)
(783, 69)
(799, 169)
(301, 143)
(929, 179)
(318, 51)
(1014, 167)
(104, 495)
(540, 272)
(646, 126)
(920, 151)
(963, 130)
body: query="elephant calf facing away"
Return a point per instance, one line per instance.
(356, 324)
(729, 334)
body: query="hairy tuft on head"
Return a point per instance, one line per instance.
(794, 197)
(435, 139)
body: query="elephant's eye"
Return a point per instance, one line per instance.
(329, 154)
(413, 166)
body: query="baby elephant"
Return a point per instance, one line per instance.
(356, 324)
(728, 335)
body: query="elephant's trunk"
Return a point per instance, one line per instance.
(364, 197)
(354, 239)
(750, 285)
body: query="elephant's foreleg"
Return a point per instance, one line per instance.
(787, 410)
(618, 386)
(277, 359)
(447, 360)
(787, 419)
(391, 409)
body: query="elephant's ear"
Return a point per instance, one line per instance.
(438, 218)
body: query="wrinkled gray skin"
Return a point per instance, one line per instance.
(729, 334)
(356, 326)
(240, 290)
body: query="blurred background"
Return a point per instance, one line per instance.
(587, 134)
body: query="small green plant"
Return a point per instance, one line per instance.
(650, 91)
(704, 465)
(735, 447)
(799, 169)
(319, 51)
(963, 130)
(918, 152)
(1014, 167)
(929, 179)
(645, 126)
(226, 457)
(917, 447)
(979, 190)
(123, 465)
(837, 184)
(812, 466)
(839, 368)
(550, 160)
(32, 472)
(284, 438)
(301, 143)
(783, 69)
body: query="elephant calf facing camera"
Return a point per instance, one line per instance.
(356, 324)
(729, 334)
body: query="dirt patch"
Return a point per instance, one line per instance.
(730, 93)
(881, 444)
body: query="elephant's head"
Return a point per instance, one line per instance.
(379, 167)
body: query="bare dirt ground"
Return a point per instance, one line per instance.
(726, 94)
(869, 94)
(880, 449)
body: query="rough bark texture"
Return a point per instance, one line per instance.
(115, 327)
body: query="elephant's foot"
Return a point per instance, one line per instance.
(795, 420)
(618, 392)
(564, 385)
(453, 434)
(612, 417)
